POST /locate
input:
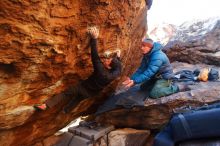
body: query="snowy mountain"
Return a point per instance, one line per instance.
(189, 31)
(195, 30)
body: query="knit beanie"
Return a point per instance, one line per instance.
(148, 42)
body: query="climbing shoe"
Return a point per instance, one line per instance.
(41, 107)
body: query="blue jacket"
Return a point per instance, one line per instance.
(154, 63)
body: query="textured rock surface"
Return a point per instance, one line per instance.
(49, 141)
(43, 49)
(103, 141)
(157, 112)
(128, 137)
(196, 42)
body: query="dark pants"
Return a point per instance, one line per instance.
(136, 95)
(73, 95)
(127, 99)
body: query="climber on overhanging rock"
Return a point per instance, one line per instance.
(154, 78)
(106, 69)
(155, 73)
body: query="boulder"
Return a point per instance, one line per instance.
(128, 137)
(200, 38)
(44, 49)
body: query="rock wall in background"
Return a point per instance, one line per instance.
(196, 42)
(44, 48)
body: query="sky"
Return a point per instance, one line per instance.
(178, 11)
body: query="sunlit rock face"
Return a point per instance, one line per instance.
(44, 48)
(196, 42)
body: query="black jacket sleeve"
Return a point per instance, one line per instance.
(96, 61)
(116, 69)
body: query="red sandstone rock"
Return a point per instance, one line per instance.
(43, 49)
